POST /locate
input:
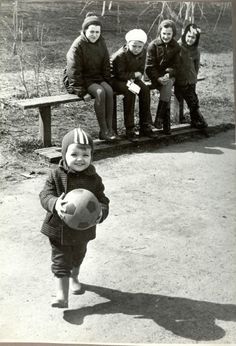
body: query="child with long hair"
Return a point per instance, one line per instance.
(186, 75)
(161, 65)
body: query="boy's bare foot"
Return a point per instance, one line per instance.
(59, 303)
(75, 286)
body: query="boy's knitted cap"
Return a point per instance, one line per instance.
(90, 19)
(76, 136)
(136, 35)
(167, 23)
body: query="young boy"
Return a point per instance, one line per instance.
(162, 61)
(128, 65)
(186, 74)
(68, 246)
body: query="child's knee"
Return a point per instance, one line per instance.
(61, 271)
(100, 95)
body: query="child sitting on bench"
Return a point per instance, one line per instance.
(162, 60)
(88, 72)
(128, 65)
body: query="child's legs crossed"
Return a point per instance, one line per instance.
(108, 104)
(166, 91)
(98, 92)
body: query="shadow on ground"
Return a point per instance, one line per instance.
(191, 319)
(194, 142)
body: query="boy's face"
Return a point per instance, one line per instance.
(190, 38)
(135, 47)
(78, 158)
(93, 33)
(166, 34)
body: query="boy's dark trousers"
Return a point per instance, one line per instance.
(145, 117)
(65, 257)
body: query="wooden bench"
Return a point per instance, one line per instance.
(45, 103)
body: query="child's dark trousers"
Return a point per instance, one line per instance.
(188, 93)
(65, 257)
(129, 103)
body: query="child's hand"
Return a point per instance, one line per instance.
(87, 97)
(164, 80)
(99, 216)
(60, 206)
(138, 75)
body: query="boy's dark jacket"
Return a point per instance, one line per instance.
(61, 180)
(161, 59)
(125, 64)
(87, 63)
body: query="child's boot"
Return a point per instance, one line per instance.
(62, 288)
(75, 285)
(197, 119)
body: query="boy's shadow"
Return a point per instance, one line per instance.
(187, 318)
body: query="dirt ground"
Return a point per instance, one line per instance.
(162, 268)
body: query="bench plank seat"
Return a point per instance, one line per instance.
(44, 104)
(44, 101)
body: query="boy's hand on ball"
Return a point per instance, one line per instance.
(99, 217)
(60, 206)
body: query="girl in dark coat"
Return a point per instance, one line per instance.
(88, 73)
(186, 75)
(128, 64)
(162, 61)
(68, 246)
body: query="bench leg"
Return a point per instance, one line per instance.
(45, 125)
(114, 116)
(181, 110)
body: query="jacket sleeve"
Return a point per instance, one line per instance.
(152, 69)
(197, 62)
(106, 66)
(119, 68)
(175, 60)
(48, 196)
(75, 70)
(103, 199)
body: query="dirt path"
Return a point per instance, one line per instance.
(162, 269)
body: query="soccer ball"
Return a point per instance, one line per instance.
(82, 209)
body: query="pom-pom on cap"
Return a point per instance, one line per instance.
(136, 35)
(90, 19)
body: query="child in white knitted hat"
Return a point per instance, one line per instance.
(68, 246)
(128, 65)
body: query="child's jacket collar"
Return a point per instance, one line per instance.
(161, 43)
(88, 171)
